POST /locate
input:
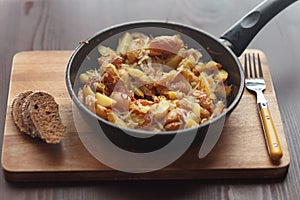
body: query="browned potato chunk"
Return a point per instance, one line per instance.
(101, 111)
(173, 116)
(173, 126)
(174, 61)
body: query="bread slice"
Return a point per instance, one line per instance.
(41, 114)
(17, 110)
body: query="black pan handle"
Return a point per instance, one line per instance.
(242, 32)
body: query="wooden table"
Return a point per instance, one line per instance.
(59, 25)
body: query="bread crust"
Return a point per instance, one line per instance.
(17, 110)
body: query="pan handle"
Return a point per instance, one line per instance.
(242, 32)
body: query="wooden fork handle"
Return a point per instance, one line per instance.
(271, 137)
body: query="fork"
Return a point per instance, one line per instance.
(255, 82)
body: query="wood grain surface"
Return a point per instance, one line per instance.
(59, 25)
(240, 153)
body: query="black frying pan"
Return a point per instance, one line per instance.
(224, 50)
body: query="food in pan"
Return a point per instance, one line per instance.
(37, 114)
(154, 84)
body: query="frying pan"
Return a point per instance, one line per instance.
(224, 50)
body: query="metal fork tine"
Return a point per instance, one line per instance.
(254, 66)
(246, 66)
(260, 73)
(250, 66)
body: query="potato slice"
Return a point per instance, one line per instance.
(206, 86)
(84, 78)
(124, 43)
(211, 65)
(138, 74)
(196, 109)
(101, 111)
(190, 123)
(160, 109)
(106, 51)
(104, 100)
(113, 118)
(222, 75)
(138, 92)
(87, 91)
(174, 61)
(175, 95)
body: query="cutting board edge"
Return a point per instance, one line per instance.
(85, 176)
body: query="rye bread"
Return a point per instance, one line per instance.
(41, 114)
(17, 110)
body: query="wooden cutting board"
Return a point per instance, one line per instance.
(241, 151)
